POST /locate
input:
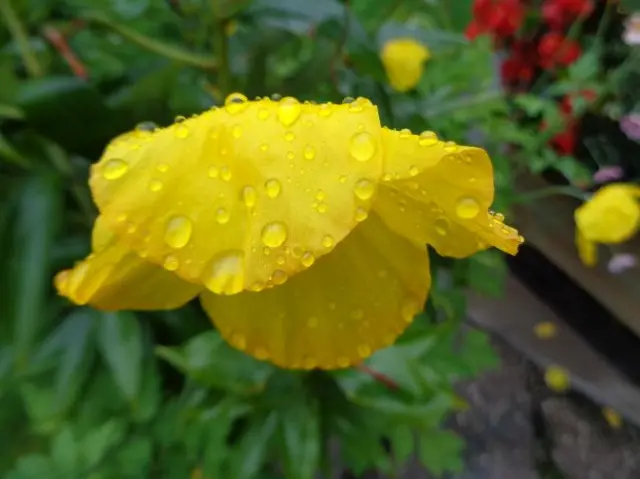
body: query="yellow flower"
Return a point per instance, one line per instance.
(545, 330)
(610, 216)
(300, 226)
(403, 59)
(612, 417)
(557, 379)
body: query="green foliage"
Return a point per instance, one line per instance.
(102, 395)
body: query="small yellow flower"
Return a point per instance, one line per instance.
(610, 216)
(557, 379)
(612, 417)
(403, 59)
(545, 330)
(301, 227)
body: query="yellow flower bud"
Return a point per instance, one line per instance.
(403, 59)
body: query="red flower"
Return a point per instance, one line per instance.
(566, 104)
(519, 66)
(565, 142)
(556, 50)
(502, 18)
(559, 14)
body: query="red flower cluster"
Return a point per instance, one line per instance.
(564, 142)
(560, 14)
(501, 18)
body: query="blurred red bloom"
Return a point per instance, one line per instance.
(519, 66)
(556, 50)
(559, 14)
(501, 18)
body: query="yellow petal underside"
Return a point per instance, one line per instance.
(350, 303)
(244, 196)
(115, 278)
(439, 193)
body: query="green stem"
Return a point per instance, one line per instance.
(550, 191)
(171, 52)
(221, 46)
(20, 36)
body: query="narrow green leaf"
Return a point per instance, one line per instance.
(120, 341)
(100, 440)
(441, 451)
(249, 456)
(34, 231)
(64, 451)
(300, 432)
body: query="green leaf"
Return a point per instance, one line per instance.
(150, 394)
(34, 232)
(120, 341)
(251, 453)
(300, 432)
(207, 358)
(64, 450)
(61, 108)
(76, 343)
(441, 451)
(487, 272)
(97, 444)
(425, 413)
(402, 443)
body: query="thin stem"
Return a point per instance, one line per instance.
(221, 46)
(61, 45)
(171, 52)
(381, 378)
(550, 191)
(20, 36)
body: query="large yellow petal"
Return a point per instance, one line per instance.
(350, 303)
(114, 278)
(244, 196)
(439, 193)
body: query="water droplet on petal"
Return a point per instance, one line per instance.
(364, 189)
(263, 114)
(235, 103)
(309, 152)
(225, 173)
(171, 263)
(225, 274)
(441, 225)
(239, 341)
(289, 136)
(213, 172)
(325, 110)
(249, 196)
(467, 207)
(312, 322)
(274, 234)
(347, 100)
(276, 96)
(155, 185)
(114, 169)
(181, 131)
(405, 133)
(163, 168)
(309, 362)
(223, 216)
(362, 146)
(279, 277)
(289, 110)
(410, 308)
(273, 188)
(364, 351)
(413, 171)
(343, 179)
(236, 131)
(321, 208)
(328, 241)
(428, 138)
(261, 354)
(177, 232)
(343, 362)
(361, 214)
(450, 147)
(264, 147)
(144, 128)
(307, 259)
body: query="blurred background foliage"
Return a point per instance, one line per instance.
(87, 394)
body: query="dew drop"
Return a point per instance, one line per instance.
(290, 156)
(289, 110)
(364, 351)
(225, 173)
(409, 309)
(163, 168)
(236, 131)
(362, 146)
(181, 131)
(312, 322)
(222, 216)
(261, 354)
(289, 136)
(235, 103)
(239, 341)
(155, 185)
(145, 128)
(441, 225)
(343, 362)
(274, 234)
(328, 241)
(307, 259)
(364, 189)
(177, 232)
(361, 214)
(264, 147)
(249, 196)
(273, 188)
(467, 207)
(263, 114)
(405, 133)
(343, 179)
(357, 314)
(213, 172)
(347, 100)
(321, 208)
(428, 138)
(171, 263)
(325, 110)
(413, 170)
(114, 169)
(309, 152)
(225, 273)
(450, 147)
(279, 277)
(309, 362)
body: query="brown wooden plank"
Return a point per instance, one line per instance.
(548, 225)
(514, 317)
